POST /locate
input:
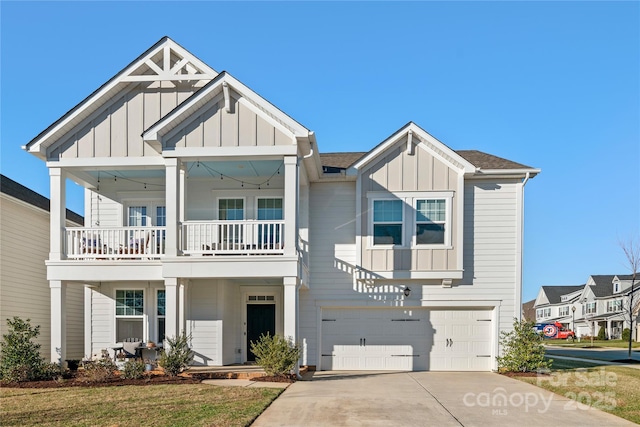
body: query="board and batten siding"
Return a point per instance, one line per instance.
(397, 172)
(24, 289)
(115, 129)
(215, 127)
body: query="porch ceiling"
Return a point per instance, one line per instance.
(236, 168)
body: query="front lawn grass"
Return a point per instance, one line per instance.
(157, 405)
(611, 389)
(596, 343)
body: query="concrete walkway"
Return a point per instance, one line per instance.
(362, 398)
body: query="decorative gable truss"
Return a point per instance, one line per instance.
(87, 131)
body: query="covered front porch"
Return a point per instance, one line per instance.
(220, 316)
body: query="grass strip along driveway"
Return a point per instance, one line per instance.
(158, 405)
(612, 389)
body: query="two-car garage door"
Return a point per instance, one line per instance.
(406, 339)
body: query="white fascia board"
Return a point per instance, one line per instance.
(232, 153)
(105, 270)
(426, 142)
(146, 162)
(202, 97)
(231, 267)
(39, 145)
(504, 173)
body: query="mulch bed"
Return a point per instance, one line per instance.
(79, 381)
(523, 374)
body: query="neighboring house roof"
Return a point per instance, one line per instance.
(529, 311)
(555, 293)
(604, 284)
(19, 191)
(334, 162)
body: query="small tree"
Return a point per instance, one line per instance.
(177, 357)
(276, 354)
(631, 249)
(522, 349)
(20, 358)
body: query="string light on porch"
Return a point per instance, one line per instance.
(213, 172)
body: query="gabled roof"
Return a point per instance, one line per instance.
(20, 192)
(210, 91)
(554, 293)
(603, 284)
(142, 69)
(420, 138)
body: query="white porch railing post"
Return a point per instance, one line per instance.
(291, 311)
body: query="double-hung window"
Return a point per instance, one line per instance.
(614, 306)
(564, 311)
(387, 222)
(430, 221)
(129, 314)
(591, 308)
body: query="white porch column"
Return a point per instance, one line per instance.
(88, 316)
(182, 305)
(172, 205)
(290, 204)
(291, 307)
(171, 302)
(57, 213)
(608, 329)
(58, 290)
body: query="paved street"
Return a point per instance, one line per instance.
(608, 354)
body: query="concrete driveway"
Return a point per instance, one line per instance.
(361, 398)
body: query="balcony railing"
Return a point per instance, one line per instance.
(115, 242)
(233, 237)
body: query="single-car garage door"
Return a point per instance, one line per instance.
(408, 339)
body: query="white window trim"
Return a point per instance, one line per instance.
(244, 208)
(410, 198)
(150, 204)
(403, 223)
(157, 316)
(144, 317)
(255, 213)
(563, 311)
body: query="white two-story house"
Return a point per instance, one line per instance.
(210, 211)
(605, 304)
(559, 304)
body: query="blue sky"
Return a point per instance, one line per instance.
(553, 85)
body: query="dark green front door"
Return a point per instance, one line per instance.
(261, 319)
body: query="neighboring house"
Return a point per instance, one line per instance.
(559, 304)
(605, 304)
(529, 311)
(24, 248)
(209, 211)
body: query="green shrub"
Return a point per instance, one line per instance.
(626, 333)
(20, 358)
(522, 349)
(100, 370)
(602, 333)
(177, 356)
(133, 369)
(275, 354)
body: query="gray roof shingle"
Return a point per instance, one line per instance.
(19, 191)
(554, 293)
(604, 284)
(335, 162)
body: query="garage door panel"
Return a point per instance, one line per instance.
(405, 339)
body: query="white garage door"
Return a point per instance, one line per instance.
(406, 339)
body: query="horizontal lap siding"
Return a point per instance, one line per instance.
(331, 253)
(490, 233)
(24, 289)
